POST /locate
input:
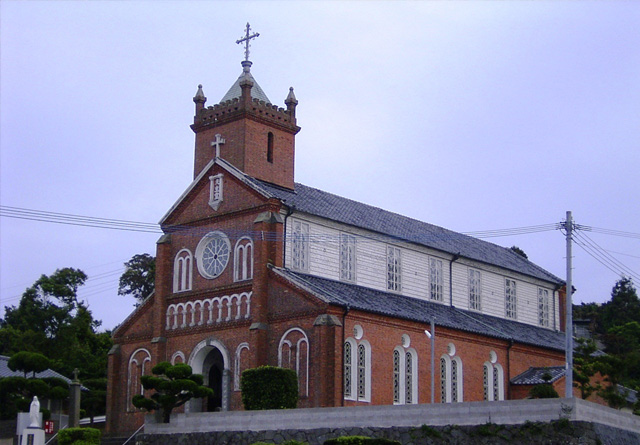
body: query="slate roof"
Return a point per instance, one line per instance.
(327, 205)
(6, 372)
(235, 91)
(533, 376)
(403, 307)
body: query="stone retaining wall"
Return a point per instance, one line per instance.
(387, 416)
(557, 432)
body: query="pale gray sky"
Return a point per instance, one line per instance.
(469, 115)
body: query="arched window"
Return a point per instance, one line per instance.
(405, 374)
(357, 370)
(349, 346)
(177, 357)
(493, 379)
(139, 365)
(397, 376)
(451, 389)
(293, 353)
(182, 271)
(243, 259)
(270, 147)
(240, 364)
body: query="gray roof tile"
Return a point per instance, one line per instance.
(327, 205)
(399, 306)
(6, 372)
(235, 91)
(533, 376)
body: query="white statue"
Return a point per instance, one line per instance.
(34, 413)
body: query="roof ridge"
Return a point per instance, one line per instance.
(394, 225)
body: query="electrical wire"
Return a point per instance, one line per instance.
(77, 220)
(602, 256)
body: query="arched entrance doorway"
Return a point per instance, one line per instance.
(210, 358)
(212, 371)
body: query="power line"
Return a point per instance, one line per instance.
(602, 256)
(77, 220)
(610, 232)
(116, 224)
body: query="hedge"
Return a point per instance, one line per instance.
(269, 387)
(79, 436)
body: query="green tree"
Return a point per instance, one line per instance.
(51, 321)
(16, 393)
(94, 401)
(585, 365)
(623, 308)
(174, 385)
(138, 279)
(28, 362)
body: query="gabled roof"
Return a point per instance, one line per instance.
(533, 376)
(253, 183)
(408, 308)
(388, 224)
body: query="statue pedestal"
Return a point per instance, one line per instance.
(32, 436)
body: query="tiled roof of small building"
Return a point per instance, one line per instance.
(399, 306)
(6, 372)
(533, 376)
(327, 205)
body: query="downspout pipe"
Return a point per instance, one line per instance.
(456, 257)
(509, 346)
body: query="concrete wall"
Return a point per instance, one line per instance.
(471, 413)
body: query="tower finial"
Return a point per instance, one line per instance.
(246, 39)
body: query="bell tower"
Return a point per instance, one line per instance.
(246, 130)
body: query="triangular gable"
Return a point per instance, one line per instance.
(139, 311)
(203, 177)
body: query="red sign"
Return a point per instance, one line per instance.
(48, 426)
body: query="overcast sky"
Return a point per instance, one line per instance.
(473, 116)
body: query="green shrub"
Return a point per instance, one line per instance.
(79, 436)
(427, 431)
(269, 387)
(360, 440)
(543, 391)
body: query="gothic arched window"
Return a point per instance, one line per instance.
(240, 364)
(405, 374)
(243, 259)
(182, 271)
(293, 353)
(357, 368)
(139, 365)
(451, 389)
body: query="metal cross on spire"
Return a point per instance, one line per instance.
(246, 39)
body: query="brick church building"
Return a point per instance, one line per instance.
(255, 269)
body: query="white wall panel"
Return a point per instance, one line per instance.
(371, 271)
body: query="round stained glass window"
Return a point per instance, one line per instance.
(212, 254)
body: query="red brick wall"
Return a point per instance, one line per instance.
(245, 147)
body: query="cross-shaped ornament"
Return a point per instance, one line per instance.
(217, 143)
(246, 40)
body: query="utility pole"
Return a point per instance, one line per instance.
(569, 311)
